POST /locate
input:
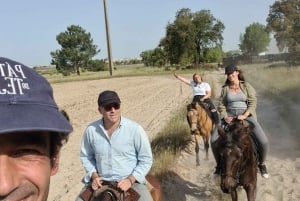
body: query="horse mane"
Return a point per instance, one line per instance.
(238, 133)
(238, 163)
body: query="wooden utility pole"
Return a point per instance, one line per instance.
(110, 61)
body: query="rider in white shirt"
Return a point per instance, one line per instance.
(201, 93)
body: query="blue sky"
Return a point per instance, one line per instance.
(29, 27)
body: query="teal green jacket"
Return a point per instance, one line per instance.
(250, 93)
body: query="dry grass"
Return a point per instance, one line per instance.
(168, 143)
(281, 84)
(275, 80)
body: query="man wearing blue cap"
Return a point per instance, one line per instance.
(32, 132)
(115, 149)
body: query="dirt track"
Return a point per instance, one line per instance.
(151, 101)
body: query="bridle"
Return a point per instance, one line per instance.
(198, 114)
(239, 170)
(236, 176)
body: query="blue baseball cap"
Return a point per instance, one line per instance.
(26, 101)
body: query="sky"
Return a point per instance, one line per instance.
(29, 27)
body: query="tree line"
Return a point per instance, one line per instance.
(192, 38)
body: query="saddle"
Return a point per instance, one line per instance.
(109, 192)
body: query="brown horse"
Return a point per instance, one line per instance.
(237, 159)
(201, 125)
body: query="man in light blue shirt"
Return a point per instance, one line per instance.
(115, 148)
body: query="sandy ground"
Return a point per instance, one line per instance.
(150, 101)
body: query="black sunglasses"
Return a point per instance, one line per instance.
(116, 106)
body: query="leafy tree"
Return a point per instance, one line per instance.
(155, 57)
(208, 31)
(214, 55)
(284, 22)
(179, 38)
(255, 40)
(77, 50)
(146, 57)
(97, 65)
(191, 35)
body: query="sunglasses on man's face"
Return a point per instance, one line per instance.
(116, 106)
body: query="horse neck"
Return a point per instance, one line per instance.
(202, 114)
(250, 149)
(248, 152)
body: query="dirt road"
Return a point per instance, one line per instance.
(151, 102)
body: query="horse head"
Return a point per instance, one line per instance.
(194, 111)
(232, 146)
(192, 116)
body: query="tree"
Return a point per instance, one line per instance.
(190, 36)
(255, 40)
(208, 33)
(179, 38)
(214, 55)
(284, 22)
(98, 65)
(155, 57)
(146, 57)
(77, 50)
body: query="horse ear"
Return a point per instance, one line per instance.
(247, 125)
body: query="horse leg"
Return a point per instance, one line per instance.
(206, 146)
(234, 196)
(197, 150)
(154, 187)
(250, 192)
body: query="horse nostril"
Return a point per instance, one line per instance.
(225, 190)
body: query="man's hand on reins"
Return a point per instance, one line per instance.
(96, 181)
(125, 184)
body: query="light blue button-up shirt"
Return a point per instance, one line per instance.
(127, 152)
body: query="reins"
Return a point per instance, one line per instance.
(241, 168)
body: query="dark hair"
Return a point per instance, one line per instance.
(57, 140)
(240, 77)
